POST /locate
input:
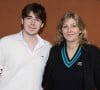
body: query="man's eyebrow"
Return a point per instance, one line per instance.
(35, 17)
(29, 16)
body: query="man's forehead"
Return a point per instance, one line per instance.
(32, 14)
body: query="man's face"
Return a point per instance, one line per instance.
(32, 24)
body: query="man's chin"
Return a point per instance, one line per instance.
(31, 34)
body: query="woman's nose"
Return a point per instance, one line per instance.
(69, 29)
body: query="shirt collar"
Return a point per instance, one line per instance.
(40, 43)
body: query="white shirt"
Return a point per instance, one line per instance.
(22, 69)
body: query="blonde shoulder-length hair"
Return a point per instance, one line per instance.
(80, 24)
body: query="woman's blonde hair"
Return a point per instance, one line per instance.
(79, 21)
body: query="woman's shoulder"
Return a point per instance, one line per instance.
(56, 47)
(91, 48)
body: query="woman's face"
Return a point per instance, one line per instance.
(70, 30)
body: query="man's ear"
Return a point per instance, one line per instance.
(42, 25)
(22, 20)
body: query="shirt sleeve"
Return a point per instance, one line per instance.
(1, 56)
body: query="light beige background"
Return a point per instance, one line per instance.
(89, 10)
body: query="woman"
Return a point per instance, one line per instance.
(73, 63)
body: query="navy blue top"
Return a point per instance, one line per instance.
(63, 78)
(83, 74)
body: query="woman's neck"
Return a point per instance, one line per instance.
(73, 45)
(71, 49)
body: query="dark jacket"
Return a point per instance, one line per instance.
(91, 64)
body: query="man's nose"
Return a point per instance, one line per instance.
(32, 21)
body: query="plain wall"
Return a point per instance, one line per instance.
(89, 10)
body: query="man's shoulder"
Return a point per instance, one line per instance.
(47, 43)
(8, 37)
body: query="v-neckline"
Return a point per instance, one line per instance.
(73, 54)
(69, 62)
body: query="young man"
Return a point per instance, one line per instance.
(23, 55)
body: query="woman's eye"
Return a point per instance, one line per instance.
(74, 26)
(65, 26)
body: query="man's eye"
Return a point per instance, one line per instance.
(37, 19)
(28, 17)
